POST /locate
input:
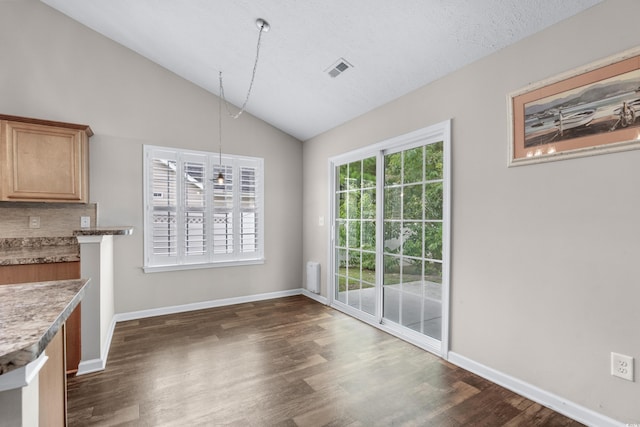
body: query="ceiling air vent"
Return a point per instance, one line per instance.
(339, 67)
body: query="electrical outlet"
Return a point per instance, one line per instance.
(34, 222)
(85, 222)
(622, 366)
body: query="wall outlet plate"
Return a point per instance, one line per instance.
(622, 366)
(85, 222)
(34, 222)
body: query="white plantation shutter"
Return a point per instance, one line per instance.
(191, 220)
(223, 212)
(164, 207)
(194, 235)
(248, 210)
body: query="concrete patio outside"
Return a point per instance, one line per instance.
(416, 305)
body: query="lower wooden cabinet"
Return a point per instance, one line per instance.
(25, 273)
(73, 344)
(52, 385)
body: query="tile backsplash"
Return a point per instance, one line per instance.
(56, 219)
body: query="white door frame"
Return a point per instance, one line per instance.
(438, 132)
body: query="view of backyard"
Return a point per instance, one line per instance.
(412, 226)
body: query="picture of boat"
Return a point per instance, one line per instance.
(600, 107)
(627, 113)
(593, 108)
(574, 120)
(550, 129)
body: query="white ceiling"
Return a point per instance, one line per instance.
(394, 46)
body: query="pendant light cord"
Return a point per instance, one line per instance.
(264, 26)
(220, 122)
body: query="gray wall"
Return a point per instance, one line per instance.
(544, 262)
(545, 272)
(54, 68)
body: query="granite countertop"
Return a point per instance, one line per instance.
(45, 250)
(31, 314)
(38, 250)
(104, 231)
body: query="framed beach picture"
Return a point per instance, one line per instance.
(591, 110)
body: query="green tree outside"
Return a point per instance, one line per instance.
(413, 200)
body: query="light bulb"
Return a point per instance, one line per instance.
(220, 178)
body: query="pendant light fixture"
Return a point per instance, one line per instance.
(263, 27)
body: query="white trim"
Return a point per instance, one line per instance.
(95, 365)
(22, 376)
(134, 315)
(422, 341)
(319, 298)
(446, 238)
(543, 397)
(428, 135)
(331, 229)
(431, 133)
(195, 266)
(90, 366)
(419, 340)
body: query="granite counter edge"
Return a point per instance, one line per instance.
(105, 231)
(22, 357)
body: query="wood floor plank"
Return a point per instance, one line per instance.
(284, 362)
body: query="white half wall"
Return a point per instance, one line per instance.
(96, 254)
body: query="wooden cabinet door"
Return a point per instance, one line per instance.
(73, 345)
(44, 163)
(52, 384)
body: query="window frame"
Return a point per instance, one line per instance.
(211, 162)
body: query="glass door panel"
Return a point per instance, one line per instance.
(355, 238)
(413, 204)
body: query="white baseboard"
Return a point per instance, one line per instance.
(90, 366)
(550, 400)
(134, 315)
(307, 293)
(95, 365)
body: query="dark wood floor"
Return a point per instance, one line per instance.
(284, 362)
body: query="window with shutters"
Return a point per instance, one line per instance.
(191, 220)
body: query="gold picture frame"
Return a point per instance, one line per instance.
(590, 110)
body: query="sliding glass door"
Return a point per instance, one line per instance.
(390, 235)
(412, 249)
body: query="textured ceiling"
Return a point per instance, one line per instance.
(394, 47)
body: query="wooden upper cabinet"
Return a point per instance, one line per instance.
(44, 161)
